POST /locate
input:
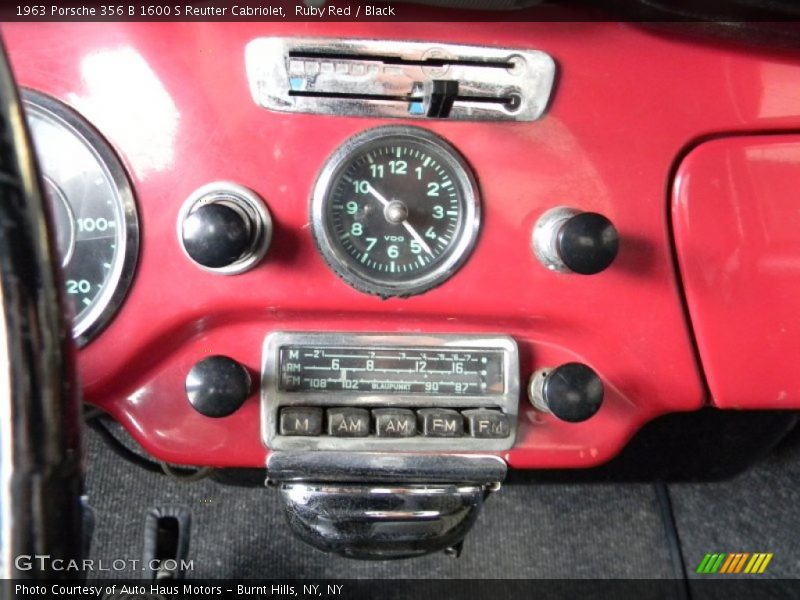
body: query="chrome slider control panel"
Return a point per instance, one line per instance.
(393, 78)
(393, 392)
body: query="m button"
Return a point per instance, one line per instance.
(348, 422)
(487, 423)
(441, 422)
(301, 420)
(394, 422)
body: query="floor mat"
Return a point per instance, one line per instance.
(755, 512)
(525, 531)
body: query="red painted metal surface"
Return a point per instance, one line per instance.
(173, 100)
(737, 218)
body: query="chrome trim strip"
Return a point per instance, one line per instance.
(387, 467)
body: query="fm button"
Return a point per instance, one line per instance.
(441, 422)
(487, 423)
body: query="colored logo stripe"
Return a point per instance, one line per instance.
(729, 563)
(710, 563)
(734, 563)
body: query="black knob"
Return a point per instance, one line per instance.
(217, 386)
(572, 392)
(216, 235)
(587, 243)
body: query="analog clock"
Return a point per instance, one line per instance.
(395, 211)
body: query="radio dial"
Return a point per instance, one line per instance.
(572, 392)
(570, 241)
(217, 386)
(224, 228)
(216, 235)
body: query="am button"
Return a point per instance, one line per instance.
(395, 422)
(348, 422)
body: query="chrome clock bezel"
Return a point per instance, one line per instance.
(338, 260)
(110, 300)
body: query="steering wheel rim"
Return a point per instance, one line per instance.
(40, 441)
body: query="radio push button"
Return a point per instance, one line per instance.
(395, 422)
(301, 420)
(348, 422)
(441, 422)
(487, 423)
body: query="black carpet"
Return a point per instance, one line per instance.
(525, 530)
(754, 512)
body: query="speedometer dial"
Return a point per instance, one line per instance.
(92, 205)
(395, 211)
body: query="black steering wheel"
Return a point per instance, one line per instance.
(40, 442)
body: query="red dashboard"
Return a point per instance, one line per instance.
(643, 126)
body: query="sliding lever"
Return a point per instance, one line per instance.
(391, 78)
(439, 96)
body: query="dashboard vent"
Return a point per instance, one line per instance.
(381, 78)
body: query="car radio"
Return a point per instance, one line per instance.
(373, 392)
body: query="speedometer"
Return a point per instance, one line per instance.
(395, 211)
(93, 209)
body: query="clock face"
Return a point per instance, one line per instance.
(395, 211)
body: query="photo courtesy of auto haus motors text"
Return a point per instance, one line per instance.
(184, 590)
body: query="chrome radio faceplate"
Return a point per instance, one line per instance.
(374, 392)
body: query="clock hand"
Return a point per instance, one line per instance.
(417, 237)
(377, 195)
(410, 228)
